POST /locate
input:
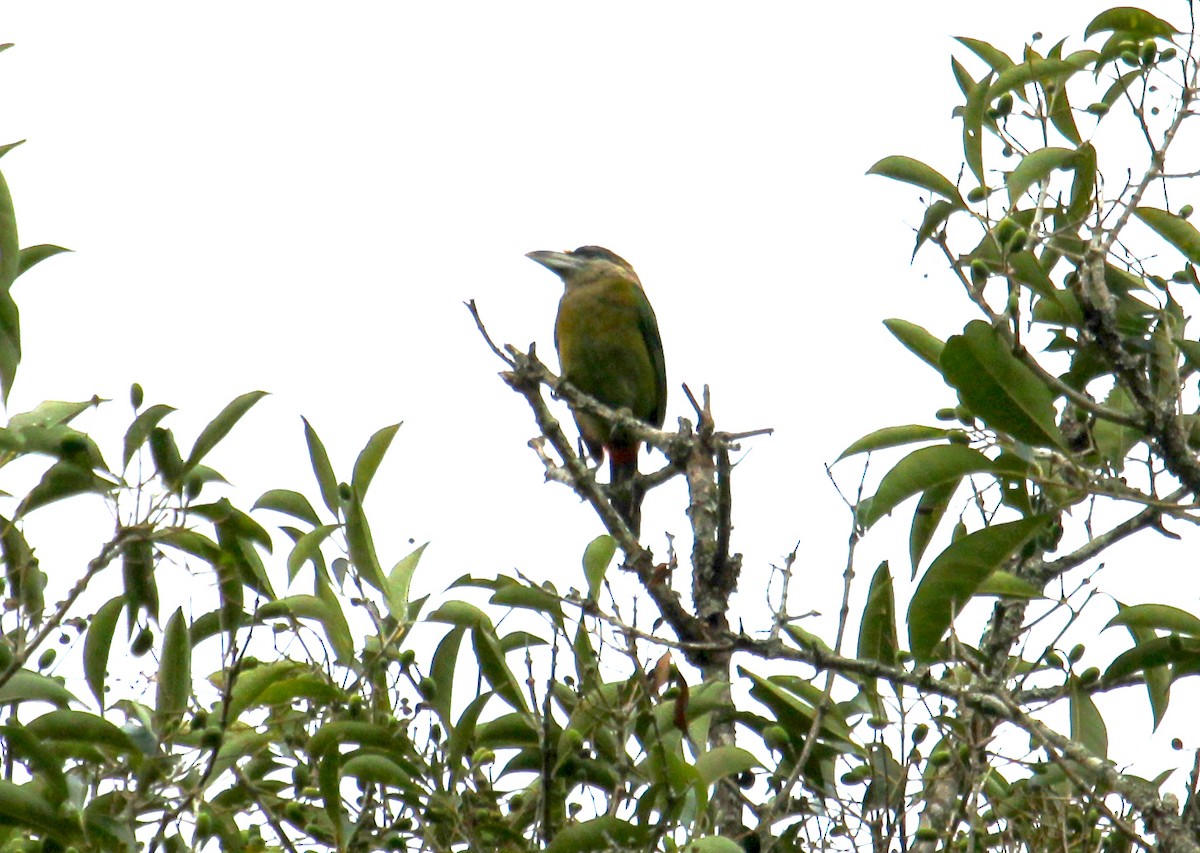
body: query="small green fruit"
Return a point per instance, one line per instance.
(142, 642)
(1005, 231)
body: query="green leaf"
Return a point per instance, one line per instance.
(1114, 441)
(329, 778)
(331, 617)
(31, 256)
(599, 834)
(996, 59)
(1138, 23)
(377, 770)
(1156, 678)
(920, 470)
(793, 701)
(220, 426)
(322, 470)
(1026, 270)
(1174, 229)
(935, 216)
(956, 574)
(165, 454)
(1062, 116)
(174, 671)
(442, 671)
(288, 502)
(722, 761)
(62, 480)
(252, 682)
(931, 508)
(10, 268)
(998, 388)
(66, 725)
(336, 627)
(1120, 87)
(1006, 585)
(1087, 726)
(893, 437)
(460, 613)
(233, 521)
(51, 413)
(137, 575)
(190, 542)
(495, 669)
(308, 547)
(141, 428)
(97, 644)
(369, 459)
(918, 341)
(44, 764)
(21, 569)
(972, 115)
(1084, 185)
(28, 686)
(596, 559)
(962, 77)
(1173, 650)
(463, 733)
(713, 844)
(1042, 71)
(877, 630)
(1157, 617)
(23, 805)
(1037, 166)
(530, 598)
(362, 545)
(911, 171)
(399, 583)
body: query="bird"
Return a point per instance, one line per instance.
(609, 348)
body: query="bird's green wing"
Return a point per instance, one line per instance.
(648, 326)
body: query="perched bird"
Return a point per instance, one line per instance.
(609, 348)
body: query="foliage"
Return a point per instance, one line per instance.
(305, 699)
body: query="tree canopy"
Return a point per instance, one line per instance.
(305, 699)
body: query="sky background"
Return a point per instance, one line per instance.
(300, 197)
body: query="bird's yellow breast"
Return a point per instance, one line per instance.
(602, 345)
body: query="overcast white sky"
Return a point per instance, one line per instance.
(298, 197)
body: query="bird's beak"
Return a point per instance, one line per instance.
(558, 262)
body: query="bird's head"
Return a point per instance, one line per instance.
(585, 265)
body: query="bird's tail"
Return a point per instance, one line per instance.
(626, 496)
